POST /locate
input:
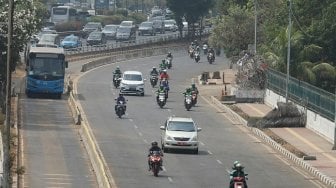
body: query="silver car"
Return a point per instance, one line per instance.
(180, 133)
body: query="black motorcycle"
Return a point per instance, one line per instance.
(188, 101)
(153, 80)
(116, 80)
(169, 61)
(161, 100)
(197, 57)
(211, 58)
(120, 108)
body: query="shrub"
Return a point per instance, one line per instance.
(69, 26)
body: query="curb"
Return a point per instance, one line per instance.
(312, 170)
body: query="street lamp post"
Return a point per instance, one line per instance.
(255, 27)
(288, 48)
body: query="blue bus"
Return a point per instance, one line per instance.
(45, 71)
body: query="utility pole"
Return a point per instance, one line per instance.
(8, 95)
(255, 27)
(334, 147)
(288, 48)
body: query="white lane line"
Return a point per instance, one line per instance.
(164, 169)
(131, 120)
(170, 179)
(146, 141)
(218, 161)
(202, 143)
(140, 134)
(135, 126)
(169, 110)
(210, 152)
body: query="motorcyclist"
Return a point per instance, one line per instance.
(160, 90)
(211, 50)
(238, 171)
(187, 92)
(164, 75)
(117, 73)
(170, 55)
(194, 88)
(120, 98)
(154, 71)
(153, 148)
(163, 65)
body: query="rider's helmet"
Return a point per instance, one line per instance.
(154, 143)
(195, 41)
(118, 68)
(163, 60)
(193, 86)
(239, 166)
(235, 163)
(169, 53)
(188, 90)
(154, 68)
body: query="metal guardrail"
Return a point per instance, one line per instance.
(314, 98)
(132, 43)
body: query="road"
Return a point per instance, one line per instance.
(124, 142)
(53, 155)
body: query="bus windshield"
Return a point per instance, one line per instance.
(46, 68)
(60, 11)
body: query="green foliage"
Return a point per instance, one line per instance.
(137, 17)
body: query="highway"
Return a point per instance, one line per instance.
(125, 142)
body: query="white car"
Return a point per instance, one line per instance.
(132, 82)
(170, 25)
(180, 133)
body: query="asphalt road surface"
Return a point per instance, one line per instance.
(53, 155)
(125, 142)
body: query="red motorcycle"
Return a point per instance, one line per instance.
(238, 182)
(155, 161)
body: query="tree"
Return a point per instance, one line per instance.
(191, 10)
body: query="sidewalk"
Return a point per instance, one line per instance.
(303, 139)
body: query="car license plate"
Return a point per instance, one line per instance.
(181, 143)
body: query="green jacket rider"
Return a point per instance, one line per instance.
(194, 88)
(117, 72)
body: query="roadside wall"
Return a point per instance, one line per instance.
(315, 122)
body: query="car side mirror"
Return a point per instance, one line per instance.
(199, 129)
(162, 127)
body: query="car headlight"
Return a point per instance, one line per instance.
(169, 138)
(194, 138)
(122, 85)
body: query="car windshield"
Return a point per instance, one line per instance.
(111, 28)
(92, 25)
(146, 24)
(70, 38)
(95, 35)
(134, 77)
(181, 126)
(169, 22)
(124, 30)
(48, 38)
(129, 24)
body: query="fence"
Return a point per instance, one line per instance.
(314, 98)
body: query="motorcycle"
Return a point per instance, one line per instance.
(238, 182)
(153, 80)
(165, 84)
(169, 62)
(191, 52)
(188, 101)
(197, 57)
(161, 100)
(116, 81)
(211, 58)
(155, 160)
(205, 49)
(120, 108)
(194, 98)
